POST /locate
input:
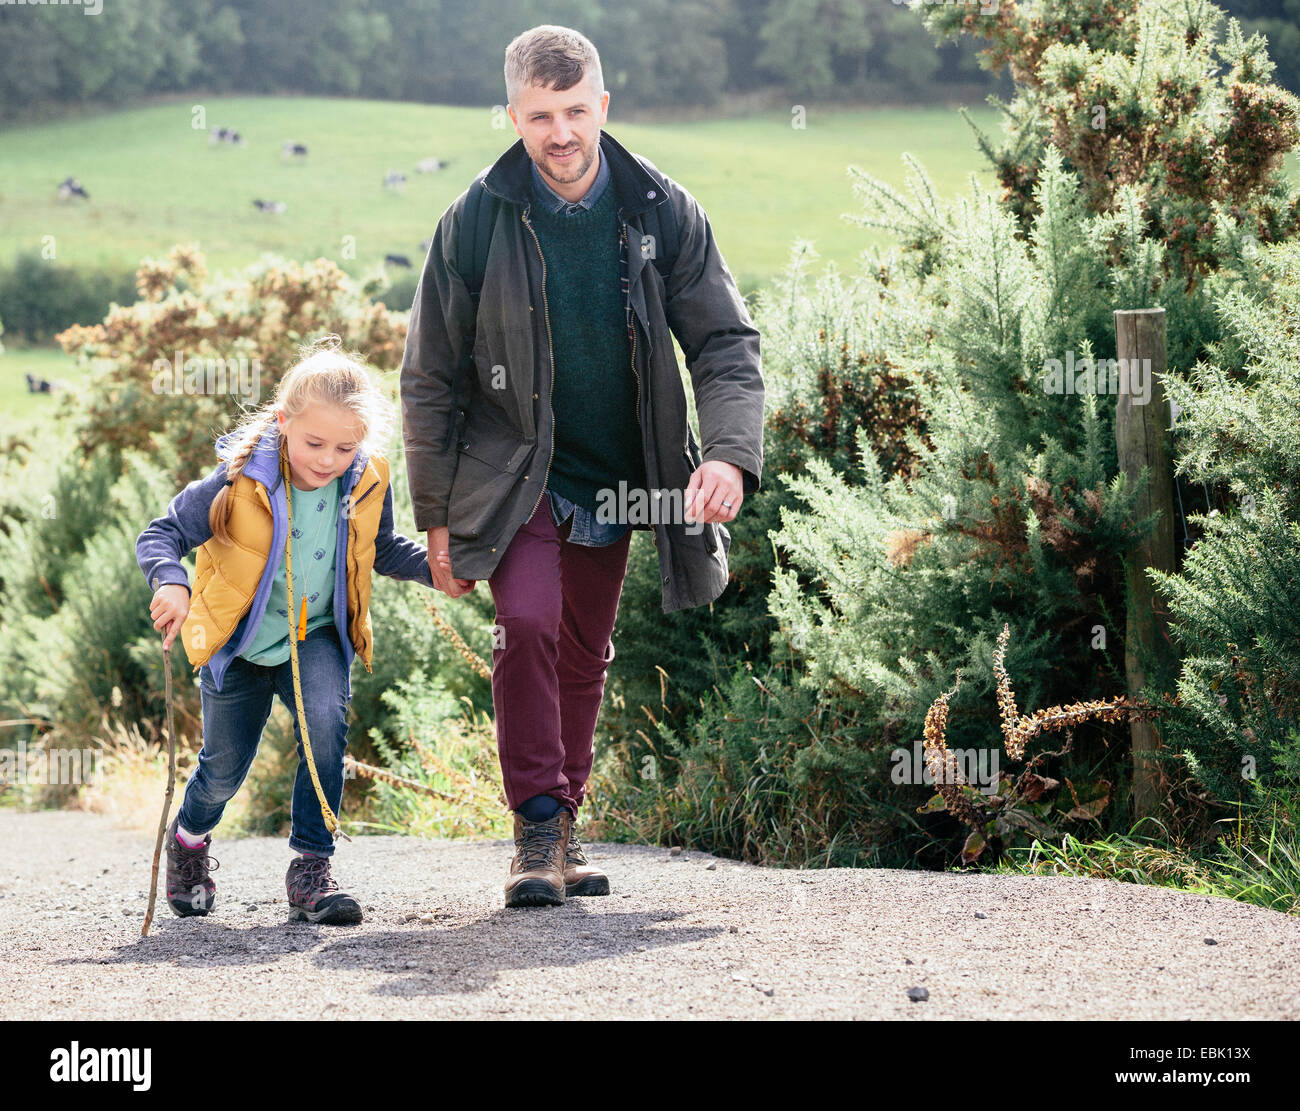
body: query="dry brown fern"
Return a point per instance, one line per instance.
(942, 764)
(458, 642)
(1017, 731)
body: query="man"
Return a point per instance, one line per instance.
(573, 395)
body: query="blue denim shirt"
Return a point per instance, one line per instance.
(586, 528)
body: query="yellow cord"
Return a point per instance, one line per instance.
(331, 820)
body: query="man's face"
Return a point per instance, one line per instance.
(552, 122)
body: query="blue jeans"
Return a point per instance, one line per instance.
(233, 719)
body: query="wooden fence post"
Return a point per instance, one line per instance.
(1142, 439)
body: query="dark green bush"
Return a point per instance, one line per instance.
(40, 298)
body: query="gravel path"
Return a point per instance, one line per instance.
(681, 936)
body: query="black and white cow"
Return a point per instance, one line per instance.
(70, 187)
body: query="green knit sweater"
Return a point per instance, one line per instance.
(594, 395)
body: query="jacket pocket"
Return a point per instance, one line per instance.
(486, 480)
(508, 344)
(501, 454)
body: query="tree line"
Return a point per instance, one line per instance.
(678, 53)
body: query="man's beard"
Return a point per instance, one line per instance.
(576, 166)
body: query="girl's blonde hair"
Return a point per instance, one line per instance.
(323, 374)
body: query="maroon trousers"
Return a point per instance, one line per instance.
(556, 603)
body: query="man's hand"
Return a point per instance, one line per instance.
(711, 484)
(440, 566)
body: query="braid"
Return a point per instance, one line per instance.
(219, 513)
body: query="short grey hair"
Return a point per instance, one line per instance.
(553, 57)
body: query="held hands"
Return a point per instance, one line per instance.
(170, 605)
(440, 566)
(711, 484)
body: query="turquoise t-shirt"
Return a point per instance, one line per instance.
(315, 539)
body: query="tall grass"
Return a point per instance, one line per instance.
(453, 757)
(1256, 859)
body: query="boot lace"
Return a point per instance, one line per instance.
(535, 845)
(193, 867)
(314, 876)
(575, 853)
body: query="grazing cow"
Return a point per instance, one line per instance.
(397, 260)
(71, 187)
(431, 165)
(290, 149)
(269, 206)
(39, 385)
(395, 180)
(225, 135)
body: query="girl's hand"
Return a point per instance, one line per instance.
(440, 566)
(170, 605)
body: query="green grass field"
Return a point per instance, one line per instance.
(17, 406)
(154, 181)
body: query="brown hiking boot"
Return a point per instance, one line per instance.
(190, 890)
(314, 894)
(537, 871)
(581, 878)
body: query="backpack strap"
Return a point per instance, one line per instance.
(478, 220)
(476, 224)
(661, 223)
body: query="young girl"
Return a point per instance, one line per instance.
(315, 441)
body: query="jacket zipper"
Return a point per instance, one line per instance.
(352, 554)
(654, 536)
(635, 373)
(550, 350)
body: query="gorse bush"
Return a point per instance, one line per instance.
(78, 653)
(943, 485)
(194, 351)
(74, 608)
(1168, 118)
(1236, 600)
(1013, 510)
(1155, 99)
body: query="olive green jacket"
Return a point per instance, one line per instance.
(484, 478)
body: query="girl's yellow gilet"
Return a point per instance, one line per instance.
(227, 575)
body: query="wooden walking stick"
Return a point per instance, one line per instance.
(171, 785)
